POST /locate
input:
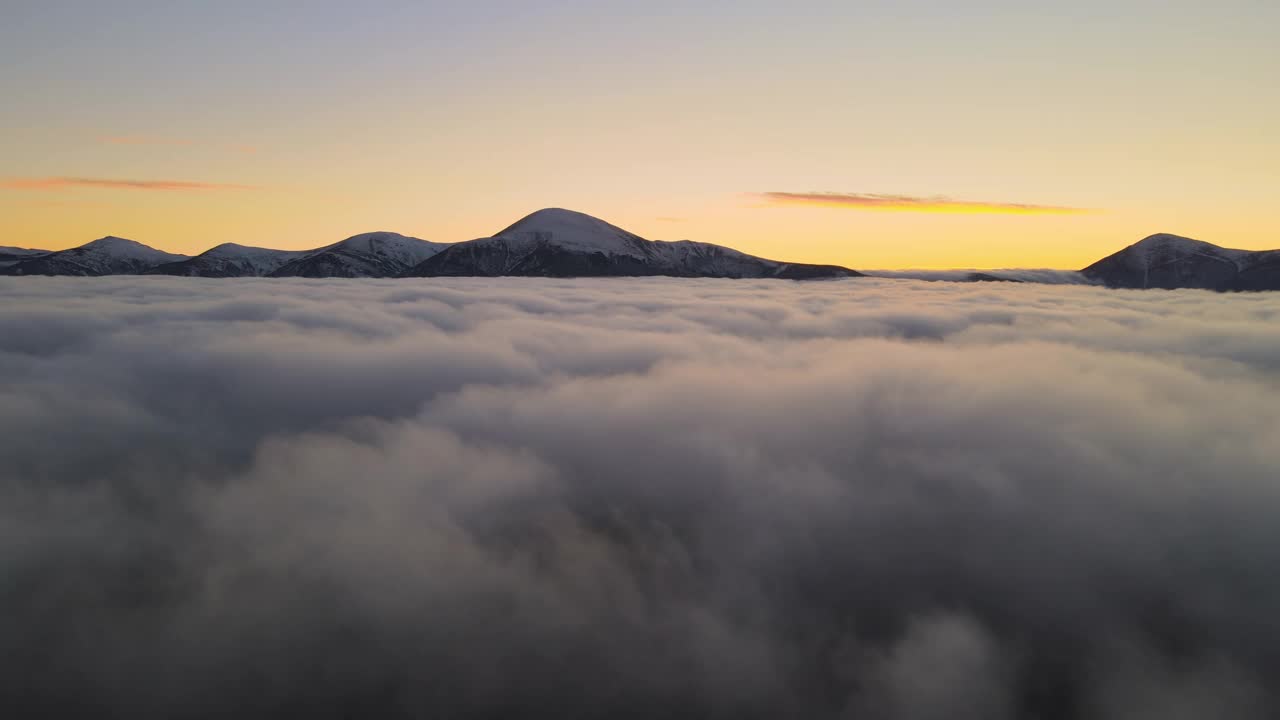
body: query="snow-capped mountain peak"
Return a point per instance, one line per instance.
(561, 220)
(1171, 261)
(120, 247)
(562, 243)
(232, 250)
(108, 255)
(572, 231)
(1164, 247)
(402, 248)
(553, 242)
(230, 260)
(375, 254)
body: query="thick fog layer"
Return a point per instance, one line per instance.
(872, 498)
(1049, 277)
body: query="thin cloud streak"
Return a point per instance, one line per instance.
(65, 183)
(908, 203)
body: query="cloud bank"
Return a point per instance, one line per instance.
(66, 183)
(908, 203)
(1035, 275)
(488, 498)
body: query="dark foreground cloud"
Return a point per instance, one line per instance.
(470, 498)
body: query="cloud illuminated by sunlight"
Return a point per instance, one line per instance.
(907, 203)
(64, 183)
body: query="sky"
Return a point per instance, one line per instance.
(907, 134)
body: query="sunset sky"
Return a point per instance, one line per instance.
(913, 133)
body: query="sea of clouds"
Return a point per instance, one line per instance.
(482, 498)
(1048, 277)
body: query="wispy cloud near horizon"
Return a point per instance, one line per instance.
(910, 203)
(65, 183)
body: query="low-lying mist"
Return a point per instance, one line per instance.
(482, 498)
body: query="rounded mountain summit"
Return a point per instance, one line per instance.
(562, 243)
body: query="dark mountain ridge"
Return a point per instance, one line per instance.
(1172, 262)
(562, 243)
(105, 256)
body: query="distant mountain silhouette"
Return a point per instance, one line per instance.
(563, 243)
(105, 256)
(1171, 261)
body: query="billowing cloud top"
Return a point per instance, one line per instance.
(726, 499)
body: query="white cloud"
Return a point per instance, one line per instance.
(665, 497)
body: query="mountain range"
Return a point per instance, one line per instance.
(547, 243)
(563, 243)
(376, 254)
(105, 256)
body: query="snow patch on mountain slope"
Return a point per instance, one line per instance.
(1164, 248)
(105, 256)
(563, 243)
(376, 254)
(111, 253)
(1166, 261)
(408, 251)
(118, 248)
(231, 260)
(711, 259)
(573, 231)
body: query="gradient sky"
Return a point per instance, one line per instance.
(916, 133)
